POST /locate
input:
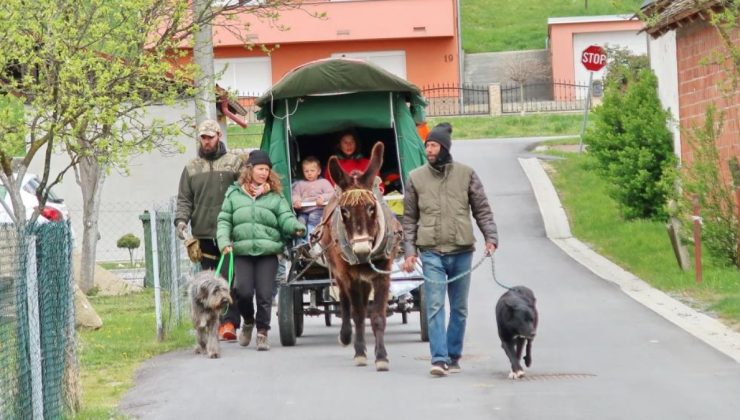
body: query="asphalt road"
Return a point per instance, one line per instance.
(598, 354)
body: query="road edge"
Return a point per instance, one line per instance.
(557, 228)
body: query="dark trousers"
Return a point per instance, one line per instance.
(208, 246)
(254, 278)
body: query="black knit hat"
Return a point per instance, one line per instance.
(442, 134)
(258, 157)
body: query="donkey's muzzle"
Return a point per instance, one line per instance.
(362, 248)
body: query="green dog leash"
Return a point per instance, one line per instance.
(231, 272)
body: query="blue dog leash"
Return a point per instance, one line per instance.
(455, 278)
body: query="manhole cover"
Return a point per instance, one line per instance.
(554, 376)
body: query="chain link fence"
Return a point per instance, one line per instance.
(38, 363)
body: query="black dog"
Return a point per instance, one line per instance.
(516, 316)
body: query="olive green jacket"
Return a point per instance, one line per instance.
(203, 184)
(437, 207)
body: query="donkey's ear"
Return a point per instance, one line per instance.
(376, 161)
(337, 173)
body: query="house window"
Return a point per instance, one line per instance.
(245, 76)
(392, 61)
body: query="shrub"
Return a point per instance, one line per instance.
(130, 242)
(631, 142)
(702, 179)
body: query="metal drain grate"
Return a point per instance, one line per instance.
(554, 376)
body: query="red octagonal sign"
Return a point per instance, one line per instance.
(593, 58)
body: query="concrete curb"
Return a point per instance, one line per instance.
(557, 228)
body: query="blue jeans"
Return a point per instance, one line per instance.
(311, 219)
(446, 344)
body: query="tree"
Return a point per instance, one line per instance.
(79, 75)
(130, 242)
(522, 71)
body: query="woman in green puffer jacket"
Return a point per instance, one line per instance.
(255, 223)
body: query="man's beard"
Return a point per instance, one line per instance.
(442, 158)
(209, 154)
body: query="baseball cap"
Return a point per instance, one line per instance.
(209, 128)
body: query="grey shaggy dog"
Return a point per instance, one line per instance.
(209, 294)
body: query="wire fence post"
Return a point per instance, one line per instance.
(155, 274)
(34, 331)
(174, 266)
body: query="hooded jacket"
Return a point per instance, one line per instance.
(255, 226)
(203, 183)
(437, 207)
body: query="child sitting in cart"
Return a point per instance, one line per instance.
(311, 194)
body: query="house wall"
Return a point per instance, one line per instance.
(567, 40)
(428, 60)
(662, 52)
(699, 85)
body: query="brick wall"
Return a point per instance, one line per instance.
(699, 85)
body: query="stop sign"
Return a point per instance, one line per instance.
(593, 58)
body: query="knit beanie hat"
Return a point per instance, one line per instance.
(258, 157)
(442, 134)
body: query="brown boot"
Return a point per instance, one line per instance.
(245, 335)
(262, 343)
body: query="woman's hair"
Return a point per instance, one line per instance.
(273, 180)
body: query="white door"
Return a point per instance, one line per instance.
(392, 61)
(247, 76)
(634, 42)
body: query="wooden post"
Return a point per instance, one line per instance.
(697, 240)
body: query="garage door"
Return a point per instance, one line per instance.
(392, 61)
(246, 76)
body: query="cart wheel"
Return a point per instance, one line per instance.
(298, 311)
(404, 317)
(286, 316)
(327, 315)
(423, 316)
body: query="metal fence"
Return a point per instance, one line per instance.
(447, 99)
(38, 361)
(543, 97)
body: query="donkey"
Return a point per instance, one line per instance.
(361, 239)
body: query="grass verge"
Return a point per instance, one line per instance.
(110, 356)
(483, 127)
(641, 247)
(512, 125)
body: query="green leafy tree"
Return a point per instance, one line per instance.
(130, 242)
(632, 143)
(79, 76)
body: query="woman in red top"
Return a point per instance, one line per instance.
(350, 158)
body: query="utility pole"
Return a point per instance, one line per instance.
(205, 99)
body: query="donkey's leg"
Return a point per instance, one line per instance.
(377, 317)
(345, 333)
(360, 293)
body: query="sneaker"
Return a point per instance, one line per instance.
(245, 335)
(227, 332)
(455, 366)
(262, 343)
(439, 369)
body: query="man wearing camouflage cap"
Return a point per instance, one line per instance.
(203, 185)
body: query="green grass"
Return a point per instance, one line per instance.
(505, 25)
(110, 355)
(463, 128)
(241, 138)
(512, 126)
(121, 265)
(641, 247)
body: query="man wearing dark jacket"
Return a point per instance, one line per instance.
(436, 221)
(203, 185)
